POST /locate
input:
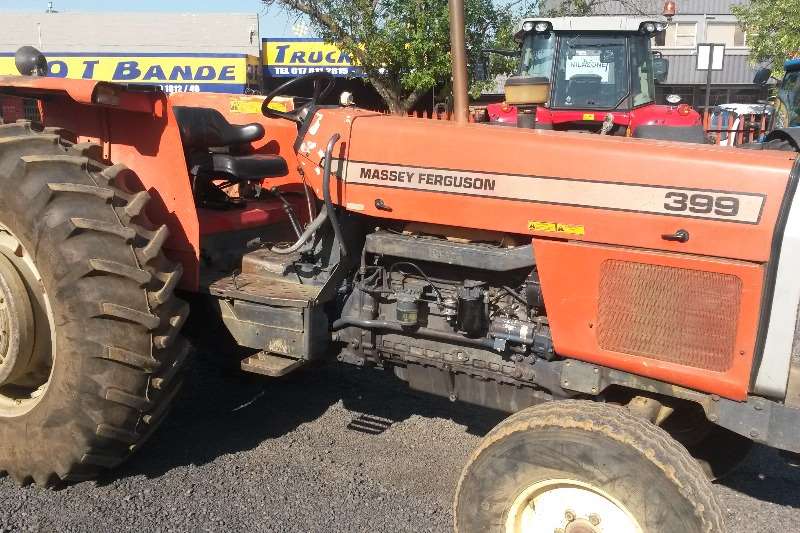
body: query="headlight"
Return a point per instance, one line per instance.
(649, 27)
(527, 25)
(660, 26)
(541, 27)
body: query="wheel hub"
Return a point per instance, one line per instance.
(568, 506)
(581, 525)
(16, 323)
(26, 334)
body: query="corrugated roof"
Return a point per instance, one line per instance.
(682, 70)
(131, 32)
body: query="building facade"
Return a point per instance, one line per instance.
(707, 21)
(218, 52)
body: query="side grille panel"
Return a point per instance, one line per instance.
(677, 315)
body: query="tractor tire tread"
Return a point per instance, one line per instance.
(126, 284)
(617, 423)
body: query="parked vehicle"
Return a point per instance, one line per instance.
(784, 130)
(597, 74)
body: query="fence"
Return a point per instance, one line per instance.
(729, 128)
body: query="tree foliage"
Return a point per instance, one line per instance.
(403, 46)
(773, 30)
(584, 8)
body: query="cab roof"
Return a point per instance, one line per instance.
(792, 65)
(593, 23)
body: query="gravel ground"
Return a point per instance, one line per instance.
(327, 449)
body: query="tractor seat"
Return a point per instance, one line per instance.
(204, 131)
(584, 88)
(242, 167)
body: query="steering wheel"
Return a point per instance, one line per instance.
(323, 85)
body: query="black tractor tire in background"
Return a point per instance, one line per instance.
(781, 145)
(114, 321)
(602, 454)
(718, 450)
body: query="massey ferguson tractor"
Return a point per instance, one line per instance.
(596, 74)
(633, 302)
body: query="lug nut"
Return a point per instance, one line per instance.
(569, 515)
(594, 519)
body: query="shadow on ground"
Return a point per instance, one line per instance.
(767, 476)
(222, 410)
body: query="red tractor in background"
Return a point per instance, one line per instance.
(597, 74)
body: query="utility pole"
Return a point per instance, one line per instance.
(458, 58)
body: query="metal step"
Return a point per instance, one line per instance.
(272, 365)
(260, 289)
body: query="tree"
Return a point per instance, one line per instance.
(584, 8)
(403, 46)
(773, 30)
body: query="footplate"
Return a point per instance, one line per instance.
(272, 365)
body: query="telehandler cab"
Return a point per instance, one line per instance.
(595, 74)
(633, 302)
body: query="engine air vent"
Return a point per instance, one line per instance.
(677, 315)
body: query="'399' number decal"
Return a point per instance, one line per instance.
(702, 204)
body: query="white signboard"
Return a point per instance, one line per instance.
(585, 64)
(715, 51)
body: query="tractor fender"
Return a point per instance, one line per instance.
(87, 92)
(134, 127)
(789, 135)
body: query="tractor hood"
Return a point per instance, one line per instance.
(620, 191)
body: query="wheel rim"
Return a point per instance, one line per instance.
(26, 333)
(568, 506)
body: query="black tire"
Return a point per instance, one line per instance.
(599, 445)
(118, 354)
(781, 145)
(720, 452)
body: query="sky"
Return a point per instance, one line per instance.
(273, 21)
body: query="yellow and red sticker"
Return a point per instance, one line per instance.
(556, 227)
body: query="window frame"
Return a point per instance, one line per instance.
(736, 28)
(677, 35)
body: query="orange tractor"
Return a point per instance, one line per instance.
(633, 302)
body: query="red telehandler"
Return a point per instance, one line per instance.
(598, 74)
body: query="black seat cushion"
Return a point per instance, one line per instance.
(241, 167)
(203, 128)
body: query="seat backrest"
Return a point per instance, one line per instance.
(584, 87)
(203, 128)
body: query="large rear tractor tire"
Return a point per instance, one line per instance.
(583, 467)
(90, 351)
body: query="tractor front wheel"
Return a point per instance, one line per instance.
(583, 467)
(90, 354)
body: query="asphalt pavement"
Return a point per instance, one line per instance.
(327, 449)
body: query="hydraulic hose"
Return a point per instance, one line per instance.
(307, 234)
(326, 194)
